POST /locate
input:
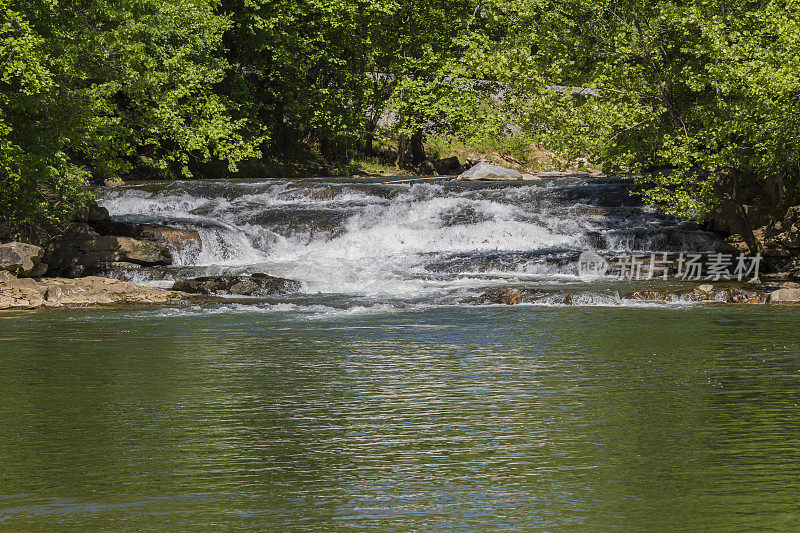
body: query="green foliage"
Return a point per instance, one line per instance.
(326, 70)
(698, 86)
(88, 89)
(100, 89)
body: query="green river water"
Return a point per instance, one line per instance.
(442, 419)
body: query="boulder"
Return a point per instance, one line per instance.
(785, 295)
(80, 249)
(487, 172)
(448, 166)
(427, 168)
(77, 247)
(91, 212)
(176, 238)
(733, 245)
(255, 285)
(84, 247)
(141, 252)
(22, 259)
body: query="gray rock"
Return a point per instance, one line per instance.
(785, 296)
(487, 172)
(255, 285)
(427, 168)
(22, 259)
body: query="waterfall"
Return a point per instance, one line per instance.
(428, 242)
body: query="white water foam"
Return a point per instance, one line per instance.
(377, 242)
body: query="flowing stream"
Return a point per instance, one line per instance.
(381, 397)
(357, 244)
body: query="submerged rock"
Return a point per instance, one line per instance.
(26, 293)
(311, 222)
(731, 294)
(22, 259)
(313, 192)
(524, 295)
(487, 172)
(255, 285)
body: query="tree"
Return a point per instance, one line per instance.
(95, 88)
(702, 87)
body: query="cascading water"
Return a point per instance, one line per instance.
(355, 244)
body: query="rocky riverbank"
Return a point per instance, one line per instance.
(718, 293)
(30, 293)
(57, 266)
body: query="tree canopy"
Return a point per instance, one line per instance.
(103, 89)
(701, 87)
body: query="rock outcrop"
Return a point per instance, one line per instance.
(22, 259)
(778, 242)
(487, 172)
(27, 293)
(176, 239)
(255, 285)
(753, 212)
(80, 250)
(93, 243)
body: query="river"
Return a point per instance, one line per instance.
(380, 398)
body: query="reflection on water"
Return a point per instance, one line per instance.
(447, 419)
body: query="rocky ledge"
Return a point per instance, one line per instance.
(255, 285)
(29, 293)
(725, 293)
(93, 244)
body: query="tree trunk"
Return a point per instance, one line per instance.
(402, 142)
(417, 147)
(369, 138)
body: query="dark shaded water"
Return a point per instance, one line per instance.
(444, 419)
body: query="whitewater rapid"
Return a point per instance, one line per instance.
(357, 243)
